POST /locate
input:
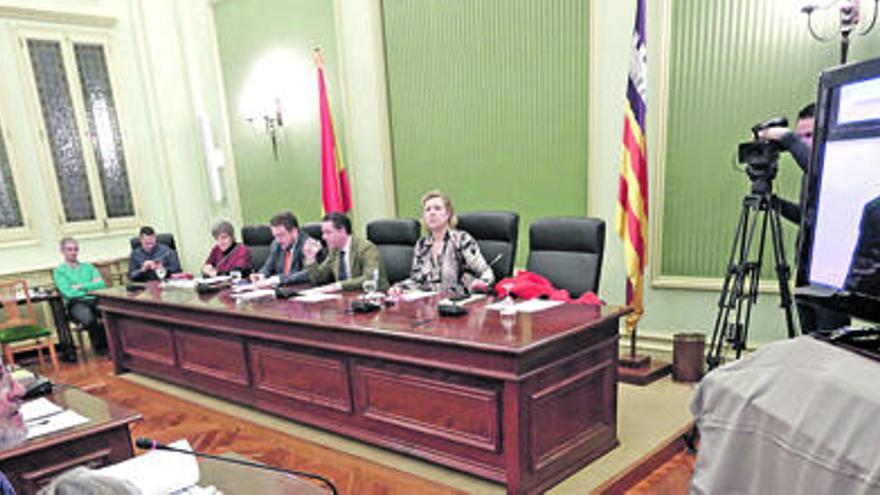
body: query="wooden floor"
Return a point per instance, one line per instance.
(671, 478)
(167, 418)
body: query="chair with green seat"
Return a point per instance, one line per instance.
(21, 326)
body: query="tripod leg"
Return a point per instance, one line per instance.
(783, 272)
(754, 280)
(739, 270)
(727, 298)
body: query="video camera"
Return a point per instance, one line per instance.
(761, 156)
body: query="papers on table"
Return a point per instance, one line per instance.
(253, 294)
(182, 283)
(535, 305)
(158, 472)
(415, 295)
(43, 417)
(468, 300)
(38, 409)
(314, 297)
(530, 306)
(270, 282)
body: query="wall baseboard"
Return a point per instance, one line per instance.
(660, 345)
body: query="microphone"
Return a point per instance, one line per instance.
(151, 444)
(496, 259)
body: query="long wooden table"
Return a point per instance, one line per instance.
(525, 402)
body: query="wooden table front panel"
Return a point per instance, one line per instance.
(30, 472)
(527, 417)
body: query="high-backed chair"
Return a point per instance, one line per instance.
(496, 232)
(568, 252)
(16, 327)
(395, 239)
(258, 239)
(166, 239)
(313, 229)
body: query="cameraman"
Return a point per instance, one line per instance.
(799, 144)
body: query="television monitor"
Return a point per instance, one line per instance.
(839, 250)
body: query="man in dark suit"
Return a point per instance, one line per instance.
(291, 254)
(351, 261)
(151, 259)
(864, 269)
(799, 144)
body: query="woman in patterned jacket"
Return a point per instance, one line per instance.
(446, 259)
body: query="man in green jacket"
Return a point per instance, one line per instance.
(351, 260)
(74, 280)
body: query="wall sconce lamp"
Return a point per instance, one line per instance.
(849, 22)
(272, 122)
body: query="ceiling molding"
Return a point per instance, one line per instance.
(79, 19)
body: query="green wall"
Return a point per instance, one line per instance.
(488, 102)
(475, 108)
(733, 63)
(246, 31)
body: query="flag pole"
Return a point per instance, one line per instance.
(632, 206)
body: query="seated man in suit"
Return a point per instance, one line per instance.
(151, 260)
(12, 428)
(291, 253)
(74, 280)
(351, 260)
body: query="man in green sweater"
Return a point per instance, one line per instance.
(74, 280)
(351, 260)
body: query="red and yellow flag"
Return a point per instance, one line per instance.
(632, 198)
(335, 190)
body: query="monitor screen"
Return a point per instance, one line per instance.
(839, 252)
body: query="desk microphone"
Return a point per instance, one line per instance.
(150, 444)
(135, 287)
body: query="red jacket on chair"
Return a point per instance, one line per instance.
(527, 285)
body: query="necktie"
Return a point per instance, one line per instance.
(343, 267)
(288, 256)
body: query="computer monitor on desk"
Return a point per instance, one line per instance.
(839, 252)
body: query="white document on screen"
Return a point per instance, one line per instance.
(159, 472)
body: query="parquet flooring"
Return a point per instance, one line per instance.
(167, 418)
(672, 477)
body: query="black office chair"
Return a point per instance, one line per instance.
(496, 232)
(568, 252)
(166, 239)
(395, 239)
(313, 229)
(258, 239)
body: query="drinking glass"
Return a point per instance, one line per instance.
(370, 286)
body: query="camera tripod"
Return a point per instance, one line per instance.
(739, 292)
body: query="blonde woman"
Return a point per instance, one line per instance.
(446, 259)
